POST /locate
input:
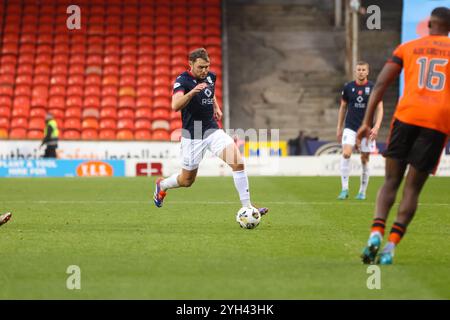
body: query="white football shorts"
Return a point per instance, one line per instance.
(193, 150)
(349, 137)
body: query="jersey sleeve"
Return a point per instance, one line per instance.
(179, 86)
(344, 93)
(397, 56)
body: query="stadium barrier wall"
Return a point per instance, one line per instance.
(156, 158)
(326, 165)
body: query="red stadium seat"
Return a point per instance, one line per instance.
(161, 134)
(56, 102)
(18, 133)
(58, 80)
(5, 101)
(9, 68)
(24, 69)
(57, 90)
(57, 113)
(162, 102)
(111, 70)
(175, 124)
(72, 112)
(124, 134)
(74, 90)
(163, 81)
(144, 91)
(71, 134)
(41, 79)
(143, 113)
(75, 80)
(20, 111)
(5, 112)
(38, 113)
(25, 79)
(161, 70)
(108, 124)
(128, 70)
(89, 123)
(142, 135)
(89, 134)
(7, 79)
(91, 102)
(161, 114)
(109, 90)
(145, 70)
(145, 59)
(110, 80)
(111, 49)
(109, 101)
(107, 134)
(6, 90)
(22, 90)
(126, 102)
(108, 113)
(74, 101)
(60, 59)
(91, 113)
(13, 59)
(72, 123)
(125, 113)
(59, 69)
(36, 124)
(77, 59)
(92, 90)
(35, 134)
(4, 122)
(20, 122)
(39, 102)
(162, 49)
(93, 79)
(127, 80)
(144, 81)
(162, 91)
(128, 59)
(143, 124)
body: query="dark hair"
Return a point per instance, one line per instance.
(442, 16)
(199, 53)
(442, 13)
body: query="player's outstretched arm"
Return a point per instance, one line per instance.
(180, 100)
(379, 119)
(217, 112)
(387, 75)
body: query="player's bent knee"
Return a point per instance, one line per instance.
(347, 155)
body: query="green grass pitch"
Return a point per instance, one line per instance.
(308, 246)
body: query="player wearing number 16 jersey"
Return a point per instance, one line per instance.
(419, 130)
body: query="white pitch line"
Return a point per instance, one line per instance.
(206, 202)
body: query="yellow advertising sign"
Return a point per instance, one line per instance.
(266, 148)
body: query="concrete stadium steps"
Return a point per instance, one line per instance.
(287, 64)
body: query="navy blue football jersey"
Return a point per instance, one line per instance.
(356, 96)
(201, 107)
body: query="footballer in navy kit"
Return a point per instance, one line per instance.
(193, 95)
(355, 97)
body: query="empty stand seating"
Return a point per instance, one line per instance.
(110, 80)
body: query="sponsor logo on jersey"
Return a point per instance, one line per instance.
(208, 93)
(367, 90)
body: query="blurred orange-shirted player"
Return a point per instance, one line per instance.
(419, 130)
